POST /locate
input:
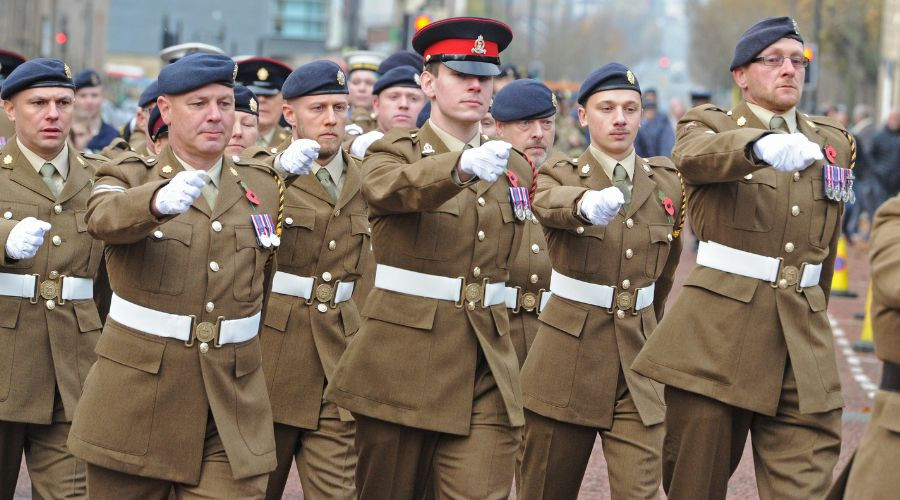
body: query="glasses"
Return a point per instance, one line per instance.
(777, 60)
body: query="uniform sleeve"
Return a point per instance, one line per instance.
(667, 278)
(885, 254)
(705, 155)
(119, 213)
(555, 204)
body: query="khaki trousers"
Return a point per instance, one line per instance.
(794, 454)
(326, 458)
(874, 470)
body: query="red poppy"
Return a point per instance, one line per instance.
(831, 154)
(251, 196)
(669, 206)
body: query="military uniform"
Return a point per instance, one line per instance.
(364, 119)
(264, 77)
(8, 62)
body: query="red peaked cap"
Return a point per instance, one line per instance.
(470, 45)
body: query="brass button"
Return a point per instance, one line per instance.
(533, 278)
(205, 331)
(210, 306)
(57, 209)
(795, 210)
(782, 283)
(476, 272)
(7, 215)
(51, 305)
(326, 276)
(288, 221)
(332, 245)
(789, 247)
(204, 348)
(629, 223)
(337, 213)
(620, 314)
(470, 306)
(216, 226)
(157, 234)
(480, 201)
(214, 266)
(480, 235)
(473, 292)
(535, 248)
(796, 176)
(748, 176)
(626, 284)
(56, 240)
(579, 229)
(322, 308)
(629, 253)
(54, 275)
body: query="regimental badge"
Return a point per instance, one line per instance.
(427, 149)
(554, 100)
(741, 121)
(479, 46)
(796, 28)
(340, 78)
(68, 71)
(417, 79)
(233, 171)
(262, 74)
(234, 73)
(167, 169)
(630, 76)
(94, 80)
(7, 159)
(253, 106)
(586, 169)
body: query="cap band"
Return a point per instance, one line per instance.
(463, 46)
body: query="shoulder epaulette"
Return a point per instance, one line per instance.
(396, 135)
(661, 162)
(132, 157)
(825, 121)
(256, 151)
(95, 157)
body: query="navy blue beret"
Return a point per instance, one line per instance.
(761, 35)
(424, 115)
(523, 100)
(194, 71)
(41, 72)
(699, 94)
(262, 75)
(155, 124)
(610, 76)
(401, 76)
(509, 70)
(87, 78)
(245, 100)
(9, 61)
(149, 95)
(315, 78)
(401, 58)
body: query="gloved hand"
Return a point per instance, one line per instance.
(298, 158)
(25, 238)
(362, 143)
(600, 207)
(487, 162)
(787, 152)
(178, 195)
(353, 129)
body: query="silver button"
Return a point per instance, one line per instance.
(57, 209)
(326, 276)
(629, 223)
(533, 278)
(210, 306)
(7, 215)
(56, 240)
(795, 210)
(337, 213)
(204, 348)
(579, 229)
(51, 305)
(620, 314)
(535, 248)
(332, 245)
(476, 272)
(480, 201)
(214, 266)
(789, 247)
(53, 275)
(322, 308)
(480, 235)
(626, 284)
(216, 226)
(288, 221)
(157, 234)
(748, 176)
(796, 176)
(629, 253)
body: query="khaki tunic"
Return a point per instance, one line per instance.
(147, 399)
(583, 346)
(530, 271)
(7, 128)
(138, 141)
(365, 118)
(728, 337)
(414, 359)
(43, 348)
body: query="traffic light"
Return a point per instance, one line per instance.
(61, 38)
(421, 21)
(811, 78)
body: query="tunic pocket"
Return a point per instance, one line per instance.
(658, 251)
(300, 234)
(823, 214)
(437, 232)
(249, 262)
(754, 199)
(166, 251)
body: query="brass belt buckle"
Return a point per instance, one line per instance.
(36, 292)
(312, 293)
(205, 332)
(776, 282)
(51, 288)
(324, 293)
(800, 272)
(627, 301)
(462, 293)
(529, 301)
(519, 300)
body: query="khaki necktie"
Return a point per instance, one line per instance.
(47, 173)
(620, 180)
(327, 183)
(778, 123)
(210, 192)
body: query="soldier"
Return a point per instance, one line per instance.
(747, 346)
(177, 399)
(158, 132)
(8, 62)
(311, 314)
(264, 77)
(137, 138)
(363, 65)
(432, 376)
(246, 121)
(612, 221)
(400, 58)
(88, 103)
(49, 322)
(398, 101)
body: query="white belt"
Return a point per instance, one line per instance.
(62, 288)
(176, 326)
(302, 286)
(517, 300)
(438, 287)
(600, 295)
(734, 261)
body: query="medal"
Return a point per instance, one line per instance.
(262, 232)
(518, 197)
(276, 241)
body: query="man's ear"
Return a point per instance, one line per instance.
(582, 116)
(165, 108)
(428, 84)
(289, 115)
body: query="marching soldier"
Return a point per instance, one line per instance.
(9, 61)
(49, 321)
(398, 101)
(312, 315)
(264, 77)
(747, 346)
(612, 222)
(432, 376)
(362, 65)
(177, 399)
(246, 121)
(88, 102)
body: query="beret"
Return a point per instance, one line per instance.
(87, 78)
(194, 71)
(9, 61)
(401, 76)
(610, 76)
(156, 127)
(315, 78)
(761, 35)
(40, 72)
(523, 100)
(262, 75)
(698, 94)
(149, 95)
(424, 115)
(173, 53)
(363, 59)
(401, 58)
(510, 71)
(245, 100)
(469, 45)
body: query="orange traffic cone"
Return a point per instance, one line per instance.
(840, 282)
(866, 341)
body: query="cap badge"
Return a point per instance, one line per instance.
(479, 46)
(253, 106)
(340, 78)
(234, 73)
(630, 76)
(1, 66)
(94, 80)
(417, 79)
(262, 74)
(553, 100)
(796, 28)
(68, 71)
(427, 149)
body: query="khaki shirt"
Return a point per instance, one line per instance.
(765, 116)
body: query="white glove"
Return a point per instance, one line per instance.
(600, 207)
(178, 195)
(362, 143)
(787, 152)
(353, 129)
(298, 158)
(487, 162)
(25, 238)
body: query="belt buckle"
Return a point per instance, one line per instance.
(627, 301)
(519, 297)
(799, 289)
(462, 293)
(774, 282)
(205, 332)
(51, 288)
(474, 292)
(36, 292)
(612, 303)
(326, 293)
(529, 301)
(540, 300)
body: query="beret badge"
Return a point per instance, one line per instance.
(630, 76)
(341, 79)
(68, 71)
(417, 79)
(253, 106)
(234, 72)
(796, 28)
(554, 101)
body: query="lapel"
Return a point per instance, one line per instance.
(310, 184)
(591, 172)
(78, 177)
(806, 127)
(352, 181)
(749, 117)
(168, 165)
(22, 171)
(642, 186)
(230, 190)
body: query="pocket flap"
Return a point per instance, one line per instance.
(565, 315)
(359, 224)
(506, 211)
(740, 288)
(9, 311)
(175, 230)
(762, 176)
(816, 298)
(304, 217)
(87, 315)
(660, 233)
(400, 309)
(247, 358)
(81, 221)
(278, 311)
(17, 210)
(450, 206)
(349, 318)
(130, 349)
